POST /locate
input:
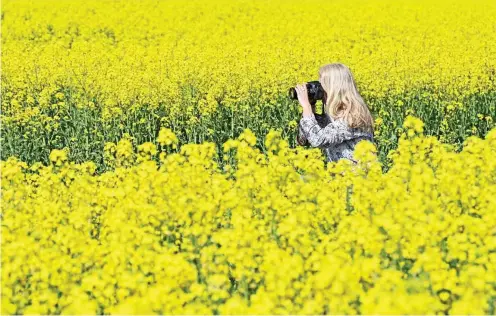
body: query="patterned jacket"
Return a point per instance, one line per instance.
(334, 137)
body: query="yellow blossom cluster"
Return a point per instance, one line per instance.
(274, 232)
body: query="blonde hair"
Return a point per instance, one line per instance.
(342, 97)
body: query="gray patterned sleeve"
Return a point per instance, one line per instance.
(322, 120)
(301, 139)
(333, 133)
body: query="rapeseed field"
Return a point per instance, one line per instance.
(79, 74)
(149, 161)
(274, 233)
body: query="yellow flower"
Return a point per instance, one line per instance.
(167, 137)
(58, 157)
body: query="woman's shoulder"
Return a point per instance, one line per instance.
(340, 122)
(357, 132)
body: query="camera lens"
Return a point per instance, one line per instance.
(292, 94)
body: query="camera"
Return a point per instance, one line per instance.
(314, 90)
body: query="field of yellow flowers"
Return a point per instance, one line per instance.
(79, 74)
(149, 161)
(272, 233)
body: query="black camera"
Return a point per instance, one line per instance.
(314, 90)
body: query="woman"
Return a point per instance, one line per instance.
(347, 117)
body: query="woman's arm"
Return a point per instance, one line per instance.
(321, 119)
(333, 133)
(300, 138)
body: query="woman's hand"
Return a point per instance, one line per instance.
(301, 91)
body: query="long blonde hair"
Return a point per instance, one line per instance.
(342, 97)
